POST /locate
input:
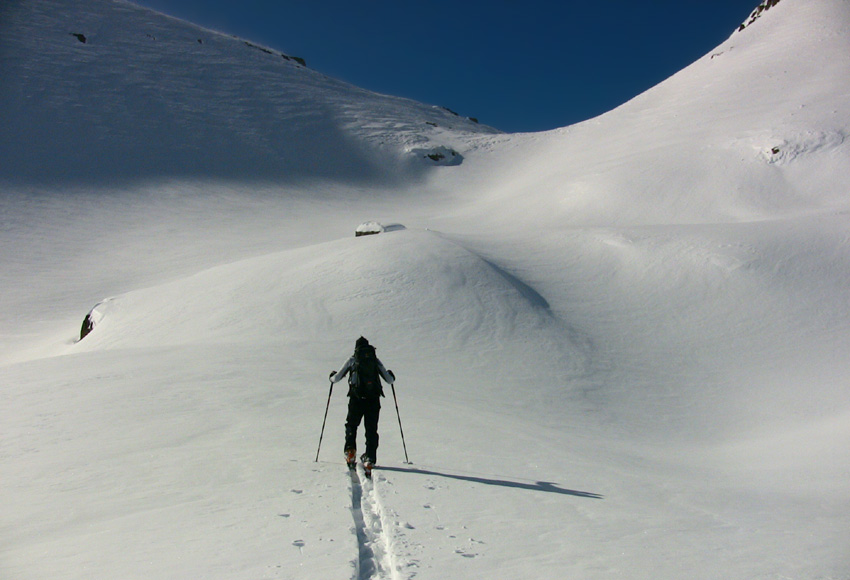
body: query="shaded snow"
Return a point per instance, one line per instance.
(620, 346)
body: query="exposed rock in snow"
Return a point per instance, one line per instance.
(757, 13)
(440, 155)
(368, 229)
(92, 319)
(628, 339)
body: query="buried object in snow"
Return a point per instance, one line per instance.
(370, 228)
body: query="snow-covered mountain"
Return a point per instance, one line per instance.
(108, 91)
(751, 131)
(620, 345)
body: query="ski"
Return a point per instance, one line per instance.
(351, 463)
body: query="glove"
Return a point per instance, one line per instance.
(330, 376)
(391, 374)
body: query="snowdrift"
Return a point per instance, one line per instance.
(621, 345)
(414, 290)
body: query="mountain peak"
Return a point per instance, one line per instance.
(758, 12)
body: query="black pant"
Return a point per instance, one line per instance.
(368, 409)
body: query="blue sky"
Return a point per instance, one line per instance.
(515, 65)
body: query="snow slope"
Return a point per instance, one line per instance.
(752, 131)
(137, 96)
(620, 345)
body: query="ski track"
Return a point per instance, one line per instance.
(376, 559)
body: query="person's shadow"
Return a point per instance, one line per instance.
(546, 486)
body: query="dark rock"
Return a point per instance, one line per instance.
(88, 326)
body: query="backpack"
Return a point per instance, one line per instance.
(364, 380)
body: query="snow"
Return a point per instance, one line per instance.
(620, 346)
(367, 228)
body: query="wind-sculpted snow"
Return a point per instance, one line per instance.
(620, 347)
(147, 97)
(405, 284)
(676, 153)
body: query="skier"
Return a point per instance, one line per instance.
(364, 372)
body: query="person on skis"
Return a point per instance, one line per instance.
(364, 371)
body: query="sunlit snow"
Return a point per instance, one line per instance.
(621, 346)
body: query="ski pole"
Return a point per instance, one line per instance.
(328, 406)
(406, 460)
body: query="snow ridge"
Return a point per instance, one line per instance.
(651, 305)
(756, 14)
